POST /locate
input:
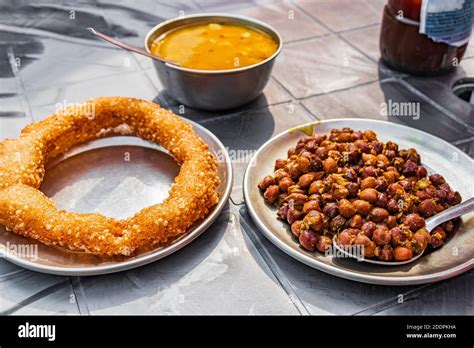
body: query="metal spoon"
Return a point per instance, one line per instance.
(431, 223)
(126, 46)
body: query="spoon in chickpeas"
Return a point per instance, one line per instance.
(421, 239)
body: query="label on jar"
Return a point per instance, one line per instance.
(446, 21)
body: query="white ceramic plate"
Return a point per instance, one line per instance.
(115, 176)
(455, 257)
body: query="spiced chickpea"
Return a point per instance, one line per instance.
(368, 245)
(437, 179)
(283, 211)
(406, 184)
(381, 184)
(330, 165)
(303, 164)
(331, 209)
(280, 163)
(308, 240)
(369, 182)
(346, 208)
(422, 172)
(294, 171)
(362, 145)
(402, 253)
(367, 172)
(386, 253)
(377, 146)
(267, 181)
(337, 223)
(327, 198)
(310, 146)
(379, 215)
(311, 205)
(347, 236)
(296, 199)
(437, 237)
(392, 206)
(293, 215)
(362, 207)
(353, 189)
(382, 200)
(316, 165)
(453, 198)
(399, 236)
(368, 228)
(350, 174)
(427, 208)
(421, 238)
(391, 221)
(414, 222)
(316, 187)
(280, 174)
(381, 236)
(368, 193)
(323, 244)
(314, 220)
(296, 228)
(410, 168)
(271, 194)
(305, 180)
(356, 221)
(285, 183)
(340, 192)
(394, 189)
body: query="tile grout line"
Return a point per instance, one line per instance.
(39, 89)
(400, 79)
(79, 295)
(388, 79)
(309, 111)
(272, 265)
(337, 33)
(13, 274)
(24, 96)
(51, 35)
(35, 297)
(463, 141)
(304, 39)
(434, 104)
(407, 296)
(389, 72)
(362, 27)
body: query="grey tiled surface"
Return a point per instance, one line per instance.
(329, 68)
(345, 14)
(322, 65)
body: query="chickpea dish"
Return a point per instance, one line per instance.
(349, 185)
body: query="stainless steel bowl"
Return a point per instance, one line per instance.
(214, 89)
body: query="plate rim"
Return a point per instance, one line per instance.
(152, 256)
(330, 269)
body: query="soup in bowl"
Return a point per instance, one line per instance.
(222, 61)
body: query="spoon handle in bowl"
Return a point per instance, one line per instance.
(451, 213)
(128, 47)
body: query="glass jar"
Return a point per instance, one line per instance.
(404, 48)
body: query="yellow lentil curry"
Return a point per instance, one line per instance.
(214, 46)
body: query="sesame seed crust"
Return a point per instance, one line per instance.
(27, 211)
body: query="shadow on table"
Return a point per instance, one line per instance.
(415, 101)
(164, 99)
(149, 280)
